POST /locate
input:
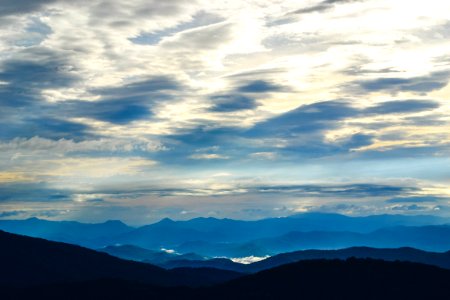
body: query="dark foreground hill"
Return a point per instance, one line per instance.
(338, 279)
(28, 261)
(398, 254)
(314, 279)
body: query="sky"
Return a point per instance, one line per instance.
(143, 109)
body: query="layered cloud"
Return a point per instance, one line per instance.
(348, 96)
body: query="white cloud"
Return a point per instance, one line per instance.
(42, 145)
(208, 156)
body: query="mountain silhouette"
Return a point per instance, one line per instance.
(136, 253)
(30, 261)
(430, 238)
(311, 279)
(392, 254)
(85, 234)
(169, 234)
(339, 279)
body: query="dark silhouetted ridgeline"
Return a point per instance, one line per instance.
(315, 279)
(38, 269)
(31, 261)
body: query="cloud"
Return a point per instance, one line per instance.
(13, 213)
(412, 207)
(35, 33)
(25, 79)
(208, 156)
(322, 6)
(415, 199)
(402, 106)
(38, 144)
(31, 192)
(259, 86)
(14, 7)
(357, 140)
(143, 86)
(306, 119)
(115, 14)
(124, 104)
(164, 80)
(46, 127)
(230, 103)
(350, 190)
(264, 155)
(115, 111)
(200, 19)
(204, 38)
(422, 84)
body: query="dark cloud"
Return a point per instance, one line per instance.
(118, 105)
(306, 119)
(124, 104)
(31, 192)
(45, 127)
(259, 86)
(16, 214)
(36, 74)
(12, 213)
(297, 133)
(53, 128)
(23, 111)
(139, 88)
(25, 78)
(230, 103)
(357, 140)
(302, 130)
(423, 84)
(415, 199)
(120, 111)
(402, 106)
(350, 190)
(221, 141)
(15, 7)
(322, 6)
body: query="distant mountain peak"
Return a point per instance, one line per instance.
(115, 222)
(166, 220)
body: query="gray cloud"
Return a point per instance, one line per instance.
(124, 104)
(204, 38)
(322, 6)
(14, 7)
(259, 86)
(402, 106)
(200, 19)
(31, 192)
(420, 85)
(230, 103)
(25, 77)
(415, 199)
(412, 207)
